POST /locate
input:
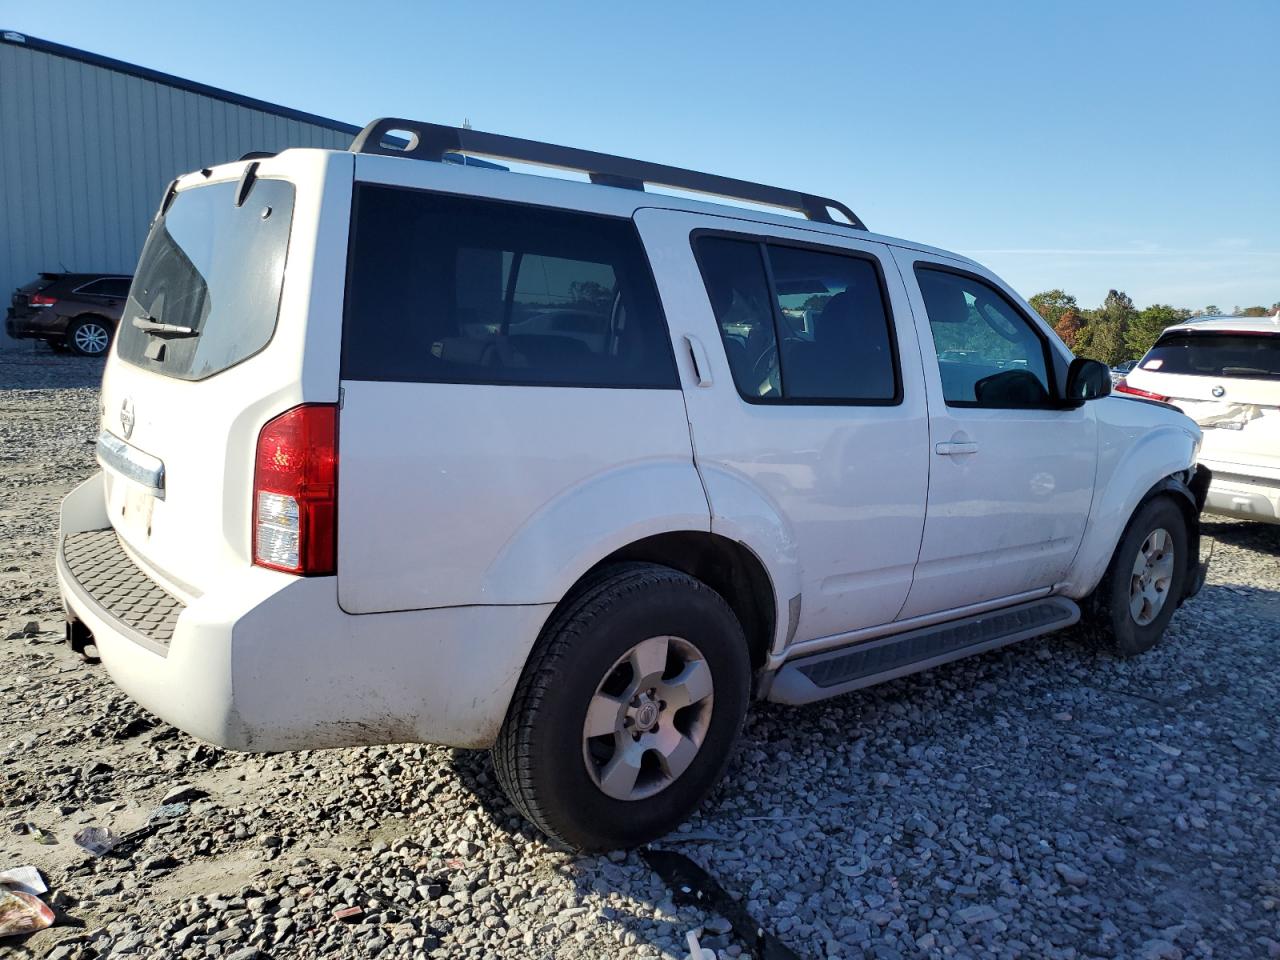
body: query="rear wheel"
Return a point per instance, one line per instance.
(89, 336)
(627, 711)
(1140, 592)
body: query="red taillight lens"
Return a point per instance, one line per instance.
(1123, 387)
(295, 491)
(40, 300)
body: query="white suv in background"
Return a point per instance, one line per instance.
(1224, 373)
(397, 449)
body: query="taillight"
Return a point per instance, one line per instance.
(295, 491)
(40, 300)
(1123, 387)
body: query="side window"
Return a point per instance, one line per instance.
(455, 290)
(738, 286)
(114, 288)
(834, 325)
(105, 288)
(800, 324)
(989, 355)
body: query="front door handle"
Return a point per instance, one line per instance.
(952, 448)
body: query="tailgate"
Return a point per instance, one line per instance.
(1228, 381)
(215, 340)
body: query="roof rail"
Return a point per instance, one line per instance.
(432, 141)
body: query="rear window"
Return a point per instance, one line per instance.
(207, 290)
(448, 289)
(1247, 356)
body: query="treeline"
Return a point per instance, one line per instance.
(1117, 330)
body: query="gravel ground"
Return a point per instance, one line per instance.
(1048, 800)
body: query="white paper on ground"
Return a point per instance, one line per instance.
(27, 879)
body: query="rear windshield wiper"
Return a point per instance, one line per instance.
(152, 325)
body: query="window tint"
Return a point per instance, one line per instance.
(1249, 356)
(988, 353)
(835, 331)
(214, 269)
(733, 271)
(454, 290)
(827, 315)
(105, 288)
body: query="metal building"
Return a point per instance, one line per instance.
(88, 144)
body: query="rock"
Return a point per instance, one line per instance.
(1160, 950)
(1072, 875)
(978, 913)
(183, 792)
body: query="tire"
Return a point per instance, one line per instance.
(591, 657)
(89, 337)
(1137, 623)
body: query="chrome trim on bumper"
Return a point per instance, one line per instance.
(130, 462)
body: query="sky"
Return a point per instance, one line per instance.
(1082, 145)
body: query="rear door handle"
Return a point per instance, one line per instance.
(951, 448)
(701, 363)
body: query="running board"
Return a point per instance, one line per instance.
(838, 671)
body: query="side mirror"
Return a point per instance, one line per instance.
(1086, 380)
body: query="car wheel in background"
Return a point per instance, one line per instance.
(89, 336)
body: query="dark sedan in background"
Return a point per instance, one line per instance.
(70, 311)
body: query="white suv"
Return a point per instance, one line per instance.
(398, 450)
(1224, 373)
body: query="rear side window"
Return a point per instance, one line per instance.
(798, 324)
(111, 287)
(1247, 356)
(447, 289)
(207, 290)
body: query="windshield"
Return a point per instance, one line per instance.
(1247, 356)
(207, 289)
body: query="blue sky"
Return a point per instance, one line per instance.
(1085, 145)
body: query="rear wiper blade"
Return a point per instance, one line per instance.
(152, 325)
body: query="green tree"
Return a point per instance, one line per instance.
(1149, 324)
(1212, 311)
(1069, 326)
(1052, 304)
(1103, 337)
(1253, 312)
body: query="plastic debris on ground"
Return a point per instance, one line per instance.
(696, 950)
(690, 884)
(22, 913)
(39, 834)
(98, 840)
(23, 879)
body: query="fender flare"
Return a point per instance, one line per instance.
(1161, 460)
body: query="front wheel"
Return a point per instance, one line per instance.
(89, 337)
(1148, 573)
(627, 711)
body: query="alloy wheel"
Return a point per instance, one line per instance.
(92, 338)
(648, 718)
(1151, 577)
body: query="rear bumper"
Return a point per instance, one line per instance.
(266, 661)
(1244, 493)
(34, 324)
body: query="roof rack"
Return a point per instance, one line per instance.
(432, 141)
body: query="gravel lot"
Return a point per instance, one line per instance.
(1044, 801)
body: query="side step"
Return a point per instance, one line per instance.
(838, 671)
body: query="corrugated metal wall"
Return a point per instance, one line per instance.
(86, 153)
